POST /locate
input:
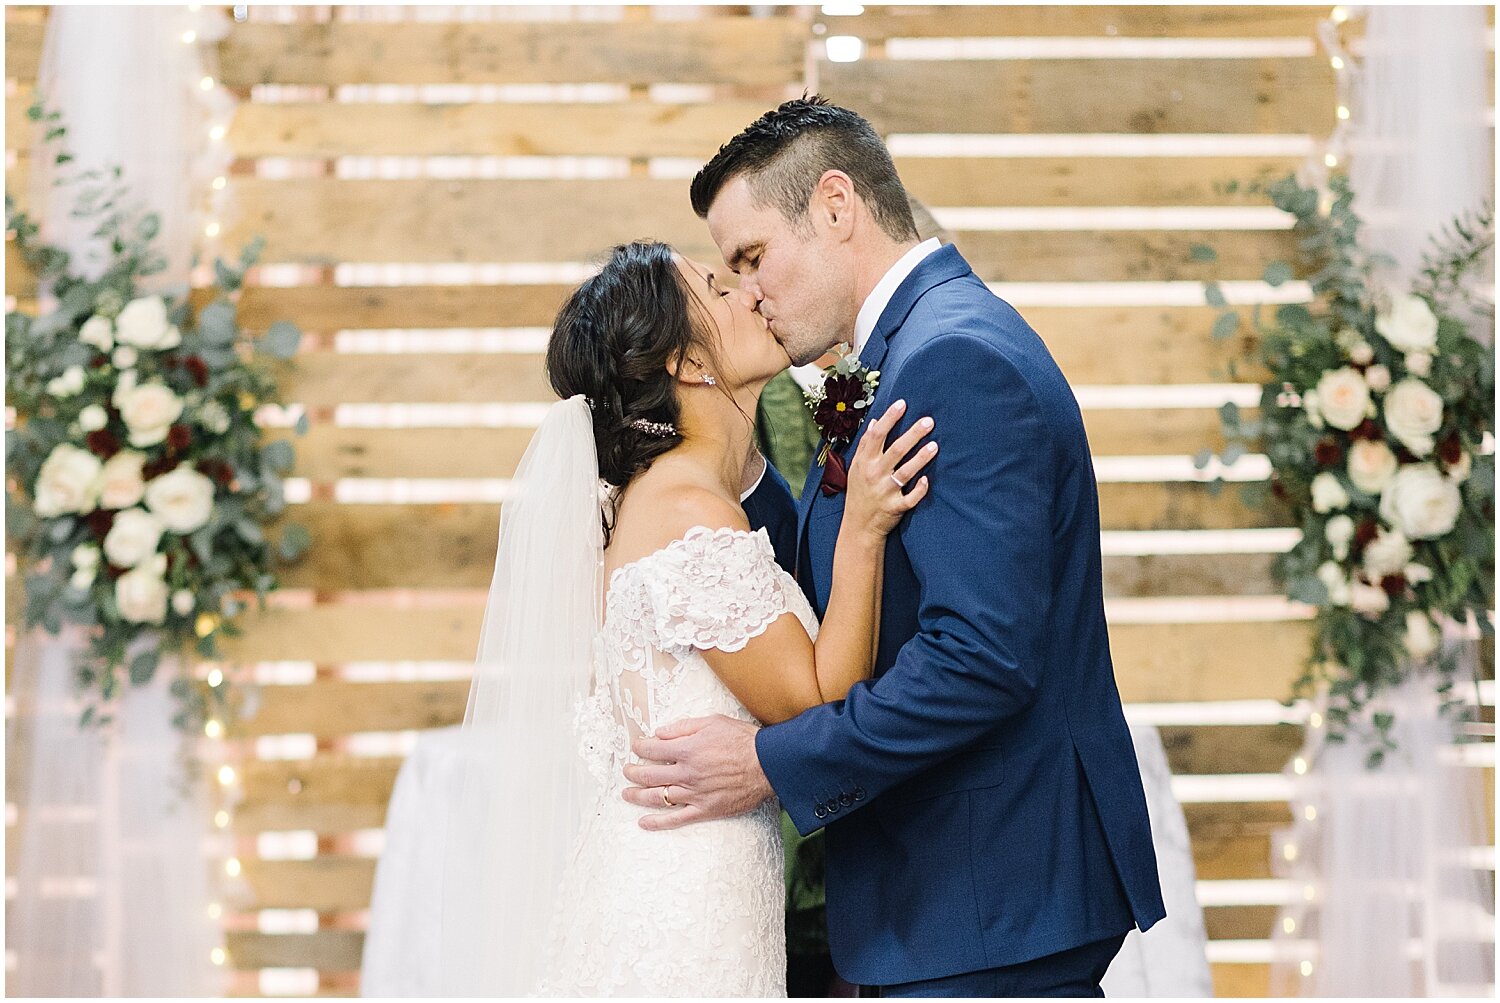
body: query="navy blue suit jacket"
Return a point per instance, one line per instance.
(981, 793)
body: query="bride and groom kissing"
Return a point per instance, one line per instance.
(914, 657)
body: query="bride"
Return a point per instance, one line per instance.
(611, 613)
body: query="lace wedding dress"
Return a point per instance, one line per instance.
(696, 911)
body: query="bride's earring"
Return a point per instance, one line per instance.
(709, 381)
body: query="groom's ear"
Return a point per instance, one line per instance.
(832, 203)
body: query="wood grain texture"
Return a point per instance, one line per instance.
(1106, 20)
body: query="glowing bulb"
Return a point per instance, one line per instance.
(844, 49)
(1299, 765)
(1316, 720)
(221, 818)
(189, 37)
(226, 774)
(1335, 62)
(1331, 160)
(207, 83)
(215, 677)
(1310, 812)
(1309, 892)
(1343, 112)
(212, 230)
(218, 956)
(220, 182)
(1340, 14)
(216, 133)
(1306, 969)
(213, 729)
(194, 8)
(215, 910)
(1289, 925)
(1289, 851)
(232, 867)
(843, 9)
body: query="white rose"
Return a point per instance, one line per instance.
(1378, 377)
(1409, 324)
(143, 323)
(142, 595)
(1338, 533)
(1332, 577)
(124, 385)
(183, 602)
(1371, 465)
(1414, 413)
(1387, 554)
(97, 331)
(1460, 471)
(68, 384)
(182, 499)
(132, 538)
(1421, 502)
(1310, 405)
(1361, 354)
(124, 481)
(82, 579)
(148, 411)
(1369, 600)
(85, 555)
(93, 418)
(1343, 397)
(124, 357)
(1421, 636)
(214, 418)
(67, 482)
(1417, 573)
(1419, 363)
(1328, 495)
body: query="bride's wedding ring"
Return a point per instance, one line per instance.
(898, 481)
(666, 800)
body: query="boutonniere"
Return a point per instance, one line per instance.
(842, 401)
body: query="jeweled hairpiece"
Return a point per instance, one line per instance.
(653, 427)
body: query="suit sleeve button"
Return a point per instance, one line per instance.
(845, 799)
(859, 793)
(820, 811)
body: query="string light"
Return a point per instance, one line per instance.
(1316, 720)
(1310, 813)
(1289, 851)
(1299, 766)
(189, 37)
(207, 83)
(1343, 113)
(221, 818)
(215, 910)
(232, 867)
(215, 678)
(218, 956)
(1340, 14)
(1306, 969)
(1331, 160)
(1289, 925)
(1309, 893)
(220, 182)
(217, 133)
(226, 774)
(211, 230)
(213, 729)
(1336, 62)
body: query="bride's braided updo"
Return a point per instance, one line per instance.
(612, 341)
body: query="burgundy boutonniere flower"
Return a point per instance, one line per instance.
(842, 402)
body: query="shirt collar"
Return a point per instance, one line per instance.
(880, 296)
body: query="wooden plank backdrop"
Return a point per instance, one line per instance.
(343, 110)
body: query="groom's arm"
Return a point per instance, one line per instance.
(980, 546)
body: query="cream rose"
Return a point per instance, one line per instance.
(124, 482)
(1379, 378)
(68, 384)
(1419, 364)
(1421, 636)
(183, 602)
(1421, 502)
(1328, 495)
(1310, 406)
(182, 499)
(144, 324)
(1338, 533)
(1409, 324)
(1460, 471)
(124, 357)
(1371, 466)
(1417, 573)
(1343, 397)
(148, 411)
(97, 331)
(67, 482)
(85, 555)
(1361, 354)
(141, 594)
(1414, 413)
(132, 538)
(1333, 578)
(93, 418)
(83, 578)
(1387, 554)
(1369, 600)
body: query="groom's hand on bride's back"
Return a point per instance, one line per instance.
(697, 769)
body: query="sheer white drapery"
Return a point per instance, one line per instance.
(112, 879)
(1386, 895)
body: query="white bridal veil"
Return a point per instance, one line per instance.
(512, 829)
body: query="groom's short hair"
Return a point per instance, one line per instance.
(785, 151)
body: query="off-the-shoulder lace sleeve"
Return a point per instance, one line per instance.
(714, 589)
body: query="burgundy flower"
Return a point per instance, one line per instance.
(98, 361)
(1403, 455)
(1364, 534)
(1367, 429)
(216, 470)
(1394, 585)
(1328, 452)
(1451, 449)
(178, 438)
(198, 369)
(836, 415)
(1279, 489)
(157, 467)
(102, 443)
(170, 362)
(99, 522)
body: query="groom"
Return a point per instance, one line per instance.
(986, 828)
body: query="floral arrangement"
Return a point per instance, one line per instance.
(140, 487)
(1378, 420)
(842, 400)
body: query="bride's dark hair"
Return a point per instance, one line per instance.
(612, 341)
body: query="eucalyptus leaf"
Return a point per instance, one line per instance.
(143, 666)
(1202, 252)
(1226, 324)
(295, 540)
(1213, 295)
(281, 340)
(278, 455)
